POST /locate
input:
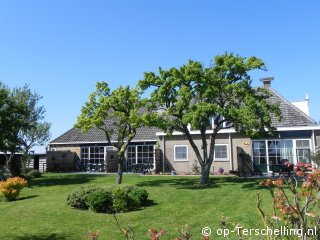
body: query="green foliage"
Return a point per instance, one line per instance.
(219, 96)
(78, 198)
(13, 120)
(315, 157)
(138, 195)
(21, 122)
(117, 113)
(121, 199)
(43, 209)
(4, 173)
(128, 198)
(100, 201)
(30, 174)
(115, 199)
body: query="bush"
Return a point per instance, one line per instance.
(116, 199)
(139, 196)
(34, 173)
(78, 198)
(30, 174)
(12, 187)
(128, 198)
(120, 199)
(100, 201)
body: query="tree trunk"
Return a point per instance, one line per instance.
(13, 165)
(120, 170)
(205, 170)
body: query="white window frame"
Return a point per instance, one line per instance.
(302, 148)
(294, 148)
(88, 160)
(187, 155)
(136, 154)
(222, 159)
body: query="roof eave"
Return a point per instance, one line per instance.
(232, 130)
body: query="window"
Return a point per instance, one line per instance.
(280, 150)
(143, 154)
(270, 152)
(96, 155)
(181, 153)
(84, 155)
(303, 151)
(93, 155)
(221, 152)
(259, 152)
(131, 155)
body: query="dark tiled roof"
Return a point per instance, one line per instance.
(75, 135)
(291, 115)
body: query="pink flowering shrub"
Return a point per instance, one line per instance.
(294, 202)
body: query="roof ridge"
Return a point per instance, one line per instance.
(292, 105)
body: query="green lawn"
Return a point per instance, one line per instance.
(41, 212)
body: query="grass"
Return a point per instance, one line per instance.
(41, 213)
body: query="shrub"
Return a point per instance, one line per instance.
(12, 187)
(116, 199)
(120, 199)
(30, 174)
(100, 200)
(128, 198)
(294, 203)
(78, 198)
(139, 196)
(34, 173)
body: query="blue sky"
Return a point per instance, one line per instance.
(62, 48)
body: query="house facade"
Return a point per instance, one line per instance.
(297, 136)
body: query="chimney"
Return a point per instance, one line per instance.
(267, 81)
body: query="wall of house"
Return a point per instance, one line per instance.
(62, 161)
(66, 147)
(168, 144)
(244, 143)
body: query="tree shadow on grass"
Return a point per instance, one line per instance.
(2, 199)
(49, 236)
(193, 183)
(64, 179)
(27, 197)
(149, 203)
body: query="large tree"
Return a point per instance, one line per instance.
(117, 113)
(217, 97)
(38, 131)
(12, 120)
(21, 124)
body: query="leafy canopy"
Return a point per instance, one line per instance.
(38, 131)
(21, 122)
(117, 113)
(211, 96)
(13, 119)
